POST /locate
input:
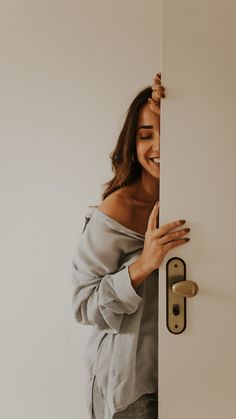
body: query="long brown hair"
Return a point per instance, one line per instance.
(126, 170)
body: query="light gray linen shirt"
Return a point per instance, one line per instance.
(122, 350)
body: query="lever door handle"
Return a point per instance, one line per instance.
(185, 288)
(178, 289)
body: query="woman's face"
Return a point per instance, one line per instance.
(148, 140)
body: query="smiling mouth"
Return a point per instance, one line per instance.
(155, 161)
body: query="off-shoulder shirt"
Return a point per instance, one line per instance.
(122, 349)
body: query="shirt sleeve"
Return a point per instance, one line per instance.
(103, 294)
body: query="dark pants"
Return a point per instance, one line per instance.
(143, 408)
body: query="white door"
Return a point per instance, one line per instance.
(197, 368)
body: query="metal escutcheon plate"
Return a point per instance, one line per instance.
(175, 304)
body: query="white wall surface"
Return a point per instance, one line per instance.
(69, 70)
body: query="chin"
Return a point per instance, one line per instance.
(153, 173)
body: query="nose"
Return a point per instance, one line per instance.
(156, 144)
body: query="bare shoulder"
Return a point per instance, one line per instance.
(118, 206)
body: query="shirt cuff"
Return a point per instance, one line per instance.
(125, 290)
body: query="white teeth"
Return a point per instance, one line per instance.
(155, 160)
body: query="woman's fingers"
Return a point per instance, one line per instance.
(154, 105)
(156, 95)
(166, 228)
(174, 236)
(157, 78)
(158, 91)
(157, 86)
(152, 221)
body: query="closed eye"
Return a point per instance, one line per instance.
(144, 138)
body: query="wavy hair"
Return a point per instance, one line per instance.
(127, 170)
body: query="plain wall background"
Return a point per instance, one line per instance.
(69, 70)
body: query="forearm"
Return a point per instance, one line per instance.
(104, 301)
(138, 273)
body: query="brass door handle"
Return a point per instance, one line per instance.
(178, 289)
(185, 288)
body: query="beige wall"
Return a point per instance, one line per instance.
(69, 70)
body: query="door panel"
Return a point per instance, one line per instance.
(197, 368)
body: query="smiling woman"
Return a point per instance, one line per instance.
(124, 159)
(129, 197)
(131, 155)
(115, 272)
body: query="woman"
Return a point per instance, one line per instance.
(115, 271)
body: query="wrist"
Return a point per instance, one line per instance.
(138, 272)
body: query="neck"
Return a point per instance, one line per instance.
(147, 188)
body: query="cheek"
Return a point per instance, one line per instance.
(141, 148)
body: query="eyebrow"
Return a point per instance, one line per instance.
(145, 126)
